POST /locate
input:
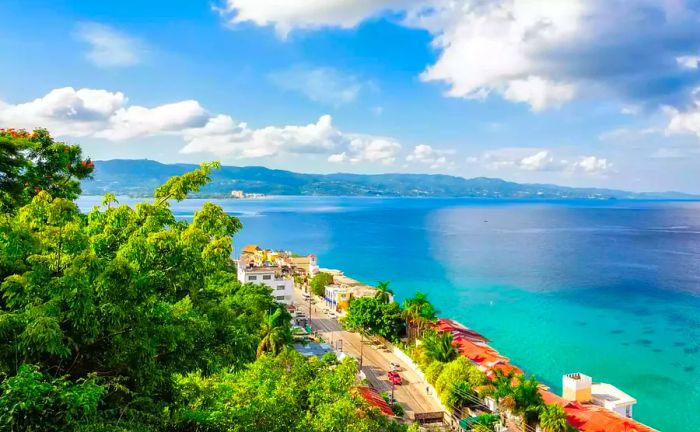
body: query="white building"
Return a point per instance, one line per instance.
(282, 286)
(610, 397)
(581, 388)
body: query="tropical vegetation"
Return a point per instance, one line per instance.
(319, 283)
(129, 319)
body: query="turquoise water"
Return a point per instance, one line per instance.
(610, 289)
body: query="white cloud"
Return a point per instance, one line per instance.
(307, 14)
(593, 165)
(539, 93)
(107, 115)
(368, 148)
(65, 111)
(539, 52)
(109, 47)
(689, 61)
(101, 113)
(136, 121)
(540, 160)
(222, 136)
(320, 84)
(684, 122)
(430, 156)
(338, 158)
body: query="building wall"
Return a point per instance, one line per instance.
(282, 289)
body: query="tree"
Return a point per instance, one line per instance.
(419, 313)
(458, 370)
(438, 346)
(375, 317)
(279, 394)
(122, 298)
(528, 400)
(34, 162)
(275, 332)
(319, 282)
(384, 293)
(553, 418)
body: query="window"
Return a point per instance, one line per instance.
(280, 297)
(267, 277)
(252, 278)
(280, 287)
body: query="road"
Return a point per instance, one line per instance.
(376, 359)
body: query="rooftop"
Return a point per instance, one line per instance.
(611, 394)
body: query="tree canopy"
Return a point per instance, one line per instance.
(116, 319)
(34, 162)
(319, 282)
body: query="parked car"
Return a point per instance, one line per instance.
(394, 377)
(395, 366)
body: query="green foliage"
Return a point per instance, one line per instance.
(433, 371)
(31, 400)
(553, 418)
(282, 393)
(419, 314)
(34, 162)
(121, 299)
(373, 316)
(319, 282)
(275, 332)
(384, 293)
(528, 400)
(438, 346)
(456, 382)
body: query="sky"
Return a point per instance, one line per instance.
(572, 92)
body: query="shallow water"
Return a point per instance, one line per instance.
(610, 289)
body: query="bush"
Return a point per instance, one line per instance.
(460, 369)
(433, 371)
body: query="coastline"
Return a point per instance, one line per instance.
(586, 416)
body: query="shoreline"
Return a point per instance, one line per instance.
(474, 345)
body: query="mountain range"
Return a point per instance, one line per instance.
(140, 177)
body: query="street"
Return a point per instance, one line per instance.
(376, 359)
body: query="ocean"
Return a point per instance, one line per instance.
(607, 288)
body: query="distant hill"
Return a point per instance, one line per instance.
(140, 177)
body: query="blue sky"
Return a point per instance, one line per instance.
(580, 93)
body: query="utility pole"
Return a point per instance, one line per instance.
(309, 310)
(362, 346)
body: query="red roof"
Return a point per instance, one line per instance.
(592, 418)
(458, 330)
(375, 399)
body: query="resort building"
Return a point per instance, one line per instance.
(282, 285)
(306, 265)
(257, 265)
(337, 297)
(581, 388)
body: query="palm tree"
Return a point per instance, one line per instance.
(275, 333)
(438, 346)
(419, 312)
(500, 389)
(528, 400)
(384, 293)
(553, 418)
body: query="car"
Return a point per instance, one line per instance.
(395, 366)
(394, 377)
(332, 315)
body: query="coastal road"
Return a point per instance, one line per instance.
(376, 359)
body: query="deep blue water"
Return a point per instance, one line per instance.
(610, 289)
